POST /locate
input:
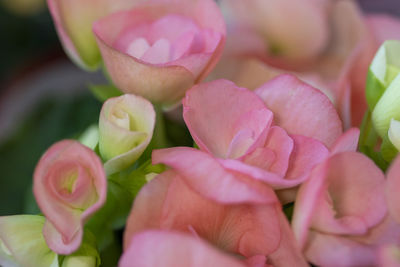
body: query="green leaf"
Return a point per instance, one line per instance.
(105, 91)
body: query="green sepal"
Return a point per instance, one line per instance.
(104, 91)
(388, 150)
(374, 90)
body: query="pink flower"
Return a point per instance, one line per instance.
(340, 214)
(173, 249)
(276, 142)
(160, 48)
(328, 44)
(73, 20)
(247, 228)
(69, 186)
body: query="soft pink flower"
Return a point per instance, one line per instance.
(277, 142)
(340, 212)
(328, 44)
(173, 249)
(69, 185)
(160, 48)
(252, 230)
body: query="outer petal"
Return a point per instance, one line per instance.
(335, 251)
(347, 141)
(289, 37)
(392, 189)
(389, 256)
(288, 252)
(206, 176)
(301, 109)
(73, 20)
(248, 230)
(126, 127)
(22, 242)
(216, 111)
(69, 185)
(172, 249)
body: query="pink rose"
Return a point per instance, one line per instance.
(69, 185)
(340, 216)
(160, 48)
(276, 141)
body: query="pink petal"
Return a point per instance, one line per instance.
(306, 154)
(300, 109)
(214, 112)
(389, 256)
(206, 176)
(347, 141)
(67, 211)
(244, 229)
(335, 251)
(173, 249)
(392, 188)
(288, 252)
(343, 195)
(282, 145)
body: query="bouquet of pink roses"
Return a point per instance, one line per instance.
(294, 112)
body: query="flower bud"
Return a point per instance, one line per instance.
(22, 242)
(126, 127)
(383, 70)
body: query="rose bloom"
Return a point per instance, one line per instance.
(161, 48)
(69, 185)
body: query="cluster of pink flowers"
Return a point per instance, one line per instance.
(279, 174)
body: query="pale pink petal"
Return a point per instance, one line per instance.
(336, 251)
(307, 153)
(214, 112)
(282, 145)
(272, 179)
(389, 256)
(248, 230)
(205, 175)
(392, 189)
(288, 252)
(304, 35)
(300, 109)
(173, 249)
(165, 84)
(348, 192)
(347, 141)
